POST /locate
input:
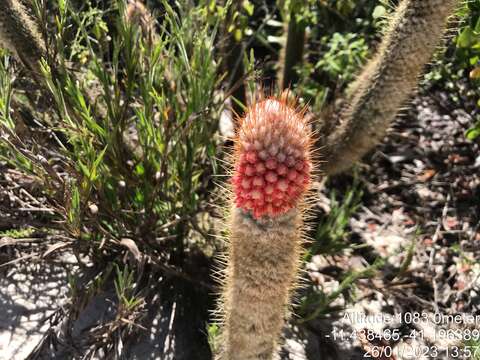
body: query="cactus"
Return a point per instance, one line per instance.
(387, 81)
(19, 32)
(271, 176)
(137, 13)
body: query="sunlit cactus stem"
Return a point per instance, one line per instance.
(387, 81)
(20, 33)
(271, 175)
(137, 13)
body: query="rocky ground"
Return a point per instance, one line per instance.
(420, 207)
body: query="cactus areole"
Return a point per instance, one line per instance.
(272, 169)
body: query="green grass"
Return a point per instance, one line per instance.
(18, 233)
(317, 303)
(332, 230)
(472, 347)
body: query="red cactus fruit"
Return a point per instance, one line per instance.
(272, 168)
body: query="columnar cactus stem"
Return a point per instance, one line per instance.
(387, 80)
(292, 53)
(271, 176)
(20, 33)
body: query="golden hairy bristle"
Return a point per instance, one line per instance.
(272, 158)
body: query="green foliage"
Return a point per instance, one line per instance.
(5, 92)
(316, 303)
(136, 132)
(301, 10)
(468, 53)
(213, 333)
(471, 348)
(462, 62)
(238, 21)
(332, 229)
(124, 287)
(468, 39)
(407, 260)
(341, 32)
(345, 55)
(123, 142)
(18, 233)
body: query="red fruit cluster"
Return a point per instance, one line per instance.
(272, 168)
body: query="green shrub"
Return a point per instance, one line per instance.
(125, 146)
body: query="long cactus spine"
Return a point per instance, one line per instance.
(271, 175)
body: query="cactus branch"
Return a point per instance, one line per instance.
(271, 175)
(386, 81)
(19, 32)
(262, 267)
